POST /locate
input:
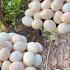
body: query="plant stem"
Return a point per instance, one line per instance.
(1, 10)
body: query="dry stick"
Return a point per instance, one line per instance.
(48, 54)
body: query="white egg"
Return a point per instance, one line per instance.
(37, 24)
(49, 25)
(16, 56)
(46, 4)
(4, 54)
(11, 34)
(29, 12)
(27, 20)
(64, 28)
(47, 14)
(66, 7)
(37, 15)
(29, 5)
(17, 38)
(31, 46)
(35, 5)
(20, 46)
(2, 44)
(38, 60)
(68, 68)
(9, 45)
(68, 1)
(57, 17)
(16, 66)
(40, 47)
(28, 58)
(66, 17)
(5, 65)
(57, 5)
(30, 68)
(4, 36)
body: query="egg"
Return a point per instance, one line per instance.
(5, 65)
(30, 68)
(49, 25)
(16, 66)
(28, 58)
(47, 14)
(2, 44)
(16, 56)
(29, 5)
(35, 5)
(29, 12)
(68, 1)
(38, 60)
(11, 34)
(40, 47)
(37, 15)
(31, 46)
(4, 36)
(57, 17)
(66, 7)
(17, 38)
(68, 68)
(57, 5)
(4, 54)
(9, 45)
(66, 17)
(46, 4)
(37, 24)
(64, 28)
(27, 20)
(20, 46)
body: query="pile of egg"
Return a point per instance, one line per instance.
(17, 54)
(48, 14)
